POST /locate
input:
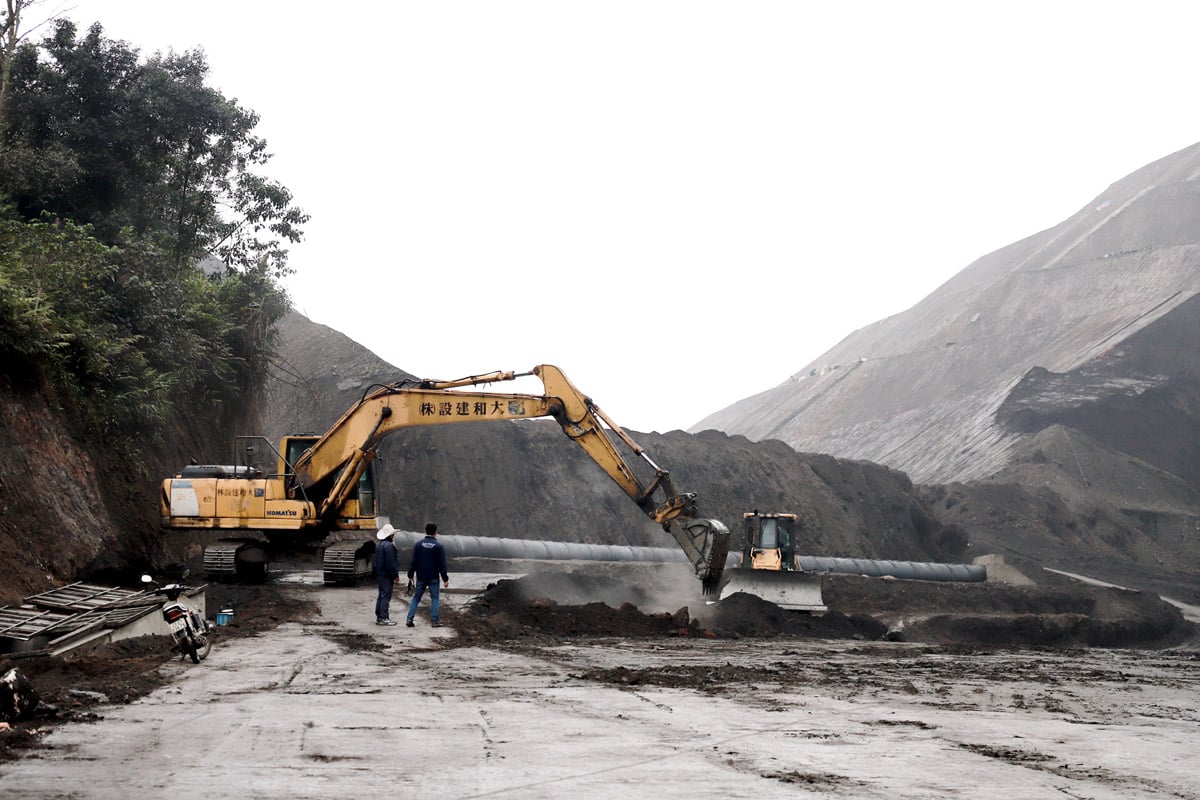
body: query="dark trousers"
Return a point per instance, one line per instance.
(384, 600)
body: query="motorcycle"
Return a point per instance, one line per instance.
(188, 627)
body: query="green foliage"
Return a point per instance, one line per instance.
(117, 177)
(102, 138)
(122, 334)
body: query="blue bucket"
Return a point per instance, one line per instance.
(224, 616)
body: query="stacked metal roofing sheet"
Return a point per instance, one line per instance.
(51, 619)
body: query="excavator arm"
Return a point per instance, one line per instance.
(705, 541)
(340, 456)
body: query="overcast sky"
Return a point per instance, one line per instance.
(678, 203)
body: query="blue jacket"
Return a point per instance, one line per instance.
(428, 560)
(387, 560)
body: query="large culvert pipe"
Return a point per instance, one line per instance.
(908, 570)
(489, 547)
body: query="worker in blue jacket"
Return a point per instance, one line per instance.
(428, 563)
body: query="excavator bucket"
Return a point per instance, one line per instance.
(706, 543)
(796, 591)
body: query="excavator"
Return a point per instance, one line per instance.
(769, 567)
(325, 485)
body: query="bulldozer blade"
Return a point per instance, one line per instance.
(795, 591)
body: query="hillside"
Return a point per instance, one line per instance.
(526, 480)
(1098, 311)
(1054, 383)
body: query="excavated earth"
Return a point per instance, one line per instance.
(989, 615)
(597, 602)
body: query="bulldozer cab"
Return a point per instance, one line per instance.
(768, 543)
(769, 568)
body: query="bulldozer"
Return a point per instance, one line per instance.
(769, 567)
(320, 490)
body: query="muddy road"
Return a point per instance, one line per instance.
(331, 705)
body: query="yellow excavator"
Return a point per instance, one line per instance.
(770, 568)
(324, 484)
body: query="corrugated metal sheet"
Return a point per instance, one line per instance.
(22, 623)
(86, 596)
(76, 609)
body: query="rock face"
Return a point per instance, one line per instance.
(70, 511)
(53, 521)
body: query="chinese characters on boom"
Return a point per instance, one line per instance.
(471, 408)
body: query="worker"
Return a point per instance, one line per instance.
(387, 573)
(428, 562)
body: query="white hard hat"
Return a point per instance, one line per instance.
(385, 532)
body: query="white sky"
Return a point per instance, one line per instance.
(629, 189)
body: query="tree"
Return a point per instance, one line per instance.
(117, 143)
(117, 175)
(11, 36)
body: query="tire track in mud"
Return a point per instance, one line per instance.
(1089, 774)
(485, 732)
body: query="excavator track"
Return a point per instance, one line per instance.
(236, 561)
(348, 563)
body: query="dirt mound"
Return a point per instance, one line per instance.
(746, 615)
(562, 605)
(557, 605)
(1071, 614)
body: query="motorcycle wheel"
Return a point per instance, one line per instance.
(203, 645)
(189, 649)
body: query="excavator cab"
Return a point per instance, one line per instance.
(293, 447)
(358, 511)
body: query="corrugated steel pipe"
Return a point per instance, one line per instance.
(489, 547)
(908, 570)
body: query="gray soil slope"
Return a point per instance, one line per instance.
(1046, 399)
(1095, 320)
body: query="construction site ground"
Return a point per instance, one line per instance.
(576, 683)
